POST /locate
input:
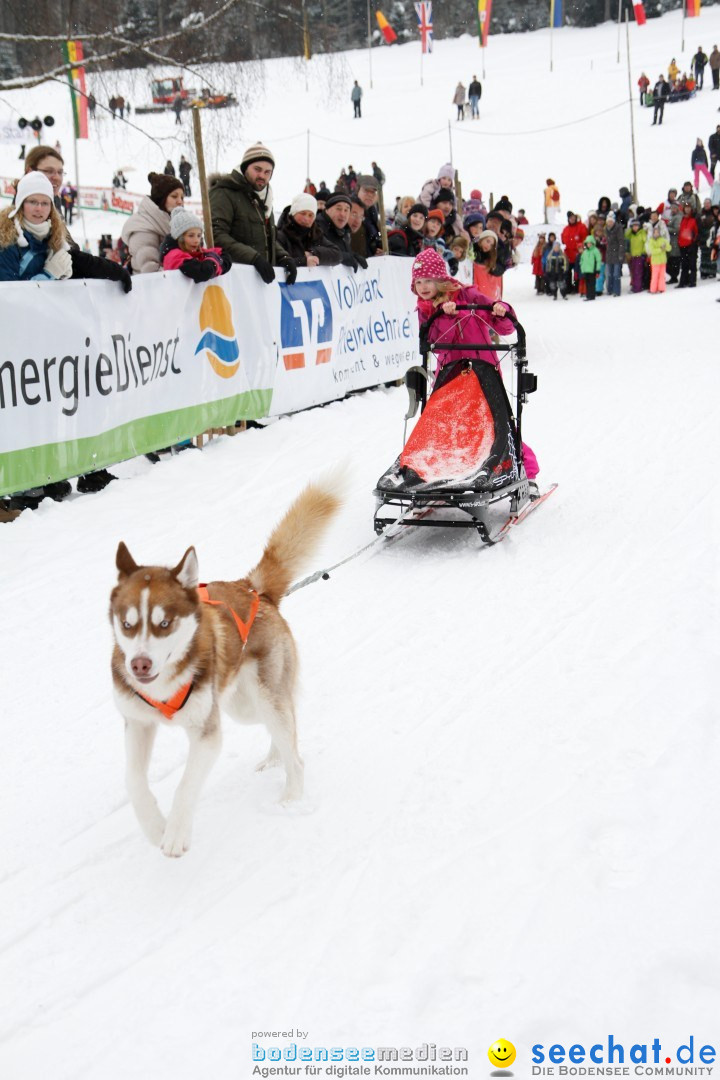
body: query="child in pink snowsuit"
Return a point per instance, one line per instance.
(182, 250)
(434, 288)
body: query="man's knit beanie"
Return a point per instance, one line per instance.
(255, 153)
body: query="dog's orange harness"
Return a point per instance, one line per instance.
(175, 703)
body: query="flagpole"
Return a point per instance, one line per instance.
(684, 5)
(421, 59)
(552, 25)
(619, 27)
(630, 100)
(369, 43)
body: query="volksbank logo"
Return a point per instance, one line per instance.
(306, 325)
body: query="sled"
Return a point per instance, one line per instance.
(463, 461)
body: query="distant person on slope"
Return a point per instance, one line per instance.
(184, 170)
(459, 100)
(475, 93)
(698, 62)
(715, 67)
(356, 98)
(551, 197)
(699, 164)
(644, 84)
(661, 92)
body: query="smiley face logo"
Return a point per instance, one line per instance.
(502, 1054)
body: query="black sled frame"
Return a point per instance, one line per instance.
(454, 505)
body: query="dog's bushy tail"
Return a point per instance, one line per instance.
(295, 538)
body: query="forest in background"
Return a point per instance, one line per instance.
(249, 29)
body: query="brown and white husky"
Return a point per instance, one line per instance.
(183, 652)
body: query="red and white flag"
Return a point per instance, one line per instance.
(640, 16)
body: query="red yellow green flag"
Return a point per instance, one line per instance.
(693, 7)
(73, 53)
(484, 10)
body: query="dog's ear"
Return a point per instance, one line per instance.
(124, 561)
(187, 570)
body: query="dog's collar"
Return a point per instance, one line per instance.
(177, 701)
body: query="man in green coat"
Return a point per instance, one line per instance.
(242, 216)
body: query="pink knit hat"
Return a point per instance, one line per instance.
(429, 264)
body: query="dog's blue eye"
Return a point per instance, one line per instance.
(126, 626)
(164, 624)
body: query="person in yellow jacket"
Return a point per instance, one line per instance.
(552, 202)
(673, 71)
(657, 247)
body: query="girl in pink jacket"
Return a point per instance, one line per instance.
(434, 288)
(182, 250)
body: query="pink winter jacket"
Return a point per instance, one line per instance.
(471, 326)
(175, 257)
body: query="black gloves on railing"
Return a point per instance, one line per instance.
(264, 269)
(290, 267)
(198, 270)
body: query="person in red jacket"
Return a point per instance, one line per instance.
(643, 83)
(688, 244)
(573, 237)
(182, 250)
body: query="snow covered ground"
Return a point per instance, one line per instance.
(510, 820)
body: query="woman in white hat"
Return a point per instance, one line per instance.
(32, 235)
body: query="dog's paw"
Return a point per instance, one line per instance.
(176, 839)
(268, 762)
(153, 825)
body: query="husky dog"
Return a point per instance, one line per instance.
(183, 652)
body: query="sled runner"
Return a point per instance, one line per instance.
(464, 459)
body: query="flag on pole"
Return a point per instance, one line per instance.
(556, 13)
(386, 29)
(484, 10)
(73, 53)
(693, 8)
(640, 16)
(424, 17)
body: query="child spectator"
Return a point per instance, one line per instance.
(590, 263)
(657, 248)
(556, 271)
(183, 250)
(688, 243)
(474, 224)
(433, 238)
(409, 239)
(614, 254)
(537, 263)
(635, 247)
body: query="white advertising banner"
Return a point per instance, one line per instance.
(90, 376)
(109, 199)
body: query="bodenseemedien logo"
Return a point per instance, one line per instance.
(218, 340)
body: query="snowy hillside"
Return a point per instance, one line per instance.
(572, 124)
(510, 820)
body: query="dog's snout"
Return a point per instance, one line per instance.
(141, 665)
